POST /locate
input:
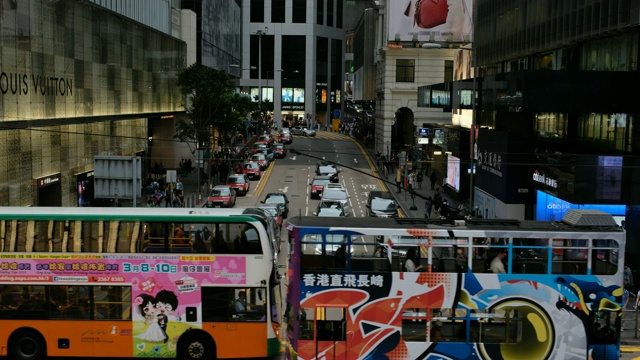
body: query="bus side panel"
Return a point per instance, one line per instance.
(228, 337)
(499, 315)
(104, 338)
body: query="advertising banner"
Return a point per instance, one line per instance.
(431, 20)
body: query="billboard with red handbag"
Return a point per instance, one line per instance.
(430, 20)
(431, 13)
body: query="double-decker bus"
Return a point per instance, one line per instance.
(141, 282)
(475, 289)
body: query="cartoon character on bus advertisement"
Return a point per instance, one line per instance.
(157, 320)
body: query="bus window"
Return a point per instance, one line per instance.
(234, 304)
(69, 302)
(569, 256)
(414, 323)
(530, 256)
(604, 257)
(112, 302)
(305, 323)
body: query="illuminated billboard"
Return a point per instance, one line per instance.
(431, 20)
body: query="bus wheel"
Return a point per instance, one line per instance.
(27, 345)
(196, 346)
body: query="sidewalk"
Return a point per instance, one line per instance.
(413, 207)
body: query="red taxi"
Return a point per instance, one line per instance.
(258, 145)
(252, 170)
(240, 183)
(279, 151)
(266, 138)
(317, 185)
(221, 196)
(285, 138)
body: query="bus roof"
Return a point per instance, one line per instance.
(123, 213)
(419, 223)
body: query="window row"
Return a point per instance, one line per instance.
(83, 302)
(497, 255)
(128, 237)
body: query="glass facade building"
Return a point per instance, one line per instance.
(76, 81)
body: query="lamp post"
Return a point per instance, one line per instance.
(260, 33)
(278, 124)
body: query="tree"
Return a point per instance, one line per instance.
(212, 103)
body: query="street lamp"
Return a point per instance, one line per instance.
(278, 123)
(260, 33)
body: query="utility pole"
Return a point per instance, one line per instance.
(260, 33)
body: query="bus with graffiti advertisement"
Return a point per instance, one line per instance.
(400, 288)
(138, 282)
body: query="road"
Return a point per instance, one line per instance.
(293, 174)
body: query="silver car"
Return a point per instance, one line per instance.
(299, 130)
(336, 193)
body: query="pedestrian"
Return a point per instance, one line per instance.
(433, 178)
(399, 178)
(179, 187)
(419, 179)
(628, 277)
(444, 209)
(412, 181)
(428, 207)
(437, 198)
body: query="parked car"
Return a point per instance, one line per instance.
(279, 151)
(266, 138)
(261, 159)
(285, 137)
(240, 183)
(268, 152)
(317, 185)
(258, 146)
(300, 130)
(274, 211)
(327, 169)
(221, 196)
(382, 204)
(336, 192)
(330, 208)
(279, 199)
(252, 170)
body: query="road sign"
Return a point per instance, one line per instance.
(424, 132)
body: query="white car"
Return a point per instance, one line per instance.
(336, 193)
(299, 130)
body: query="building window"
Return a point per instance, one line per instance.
(299, 11)
(339, 15)
(257, 11)
(405, 70)
(551, 125)
(277, 11)
(329, 12)
(320, 12)
(611, 131)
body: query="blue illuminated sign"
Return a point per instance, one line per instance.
(551, 208)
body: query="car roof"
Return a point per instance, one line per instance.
(334, 186)
(381, 194)
(222, 187)
(322, 177)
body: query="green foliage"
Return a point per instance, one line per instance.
(211, 103)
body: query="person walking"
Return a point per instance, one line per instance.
(419, 179)
(428, 207)
(399, 179)
(433, 178)
(412, 181)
